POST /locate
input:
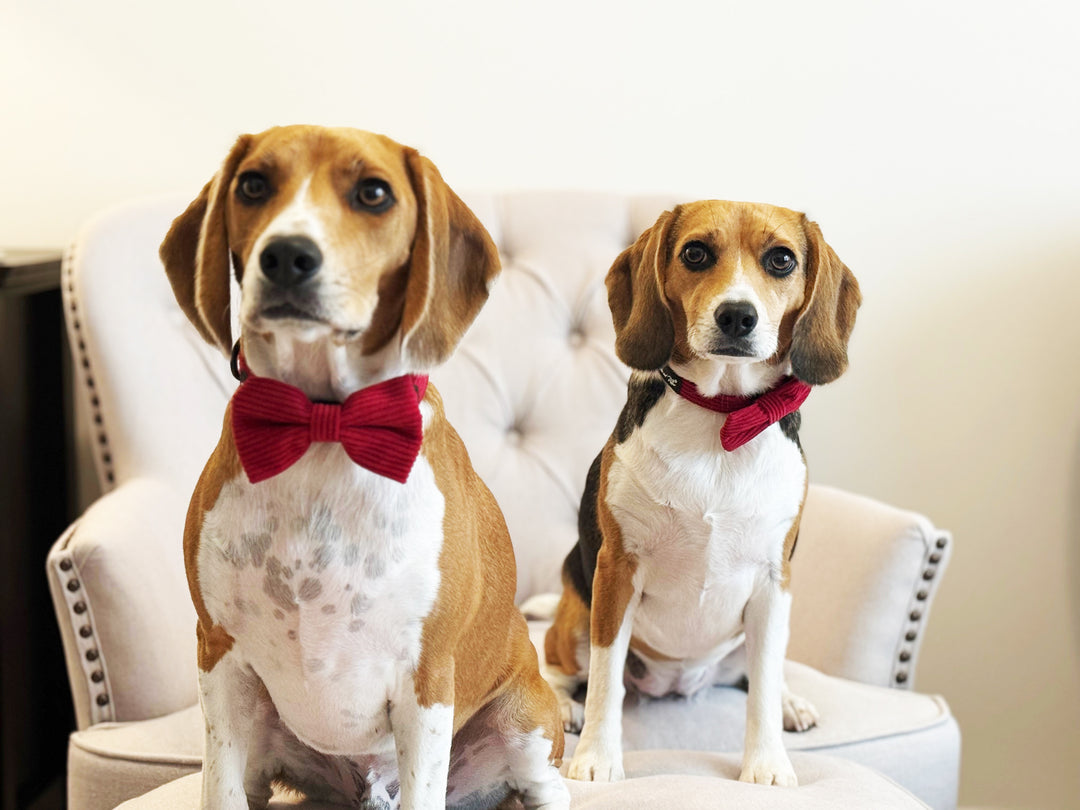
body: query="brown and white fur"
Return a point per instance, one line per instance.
(679, 579)
(357, 637)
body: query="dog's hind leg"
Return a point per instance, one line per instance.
(565, 656)
(533, 737)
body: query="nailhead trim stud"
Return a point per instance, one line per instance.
(84, 370)
(82, 623)
(916, 613)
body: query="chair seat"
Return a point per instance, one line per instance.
(690, 780)
(894, 732)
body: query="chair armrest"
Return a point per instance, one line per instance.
(121, 598)
(863, 579)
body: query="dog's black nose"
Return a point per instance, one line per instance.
(290, 260)
(736, 319)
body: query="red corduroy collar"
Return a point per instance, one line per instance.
(746, 416)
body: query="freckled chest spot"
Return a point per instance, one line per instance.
(309, 589)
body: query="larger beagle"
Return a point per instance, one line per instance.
(691, 511)
(357, 634)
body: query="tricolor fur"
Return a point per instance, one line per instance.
(679, 577)
(358, 639)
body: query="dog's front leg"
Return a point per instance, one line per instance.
(422, 719)
(228, 692)
(765, 761)
(615, 597)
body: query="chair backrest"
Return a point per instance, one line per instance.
(534, 390)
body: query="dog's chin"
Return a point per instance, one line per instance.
(733, 355)
(292, 322)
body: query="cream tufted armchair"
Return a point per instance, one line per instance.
(534, 390)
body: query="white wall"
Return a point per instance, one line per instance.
(936, 143)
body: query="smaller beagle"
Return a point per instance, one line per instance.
(352, 576)
(728, 312)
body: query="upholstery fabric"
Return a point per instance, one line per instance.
(911, 738)
(534, 391)
(118, 576)
(683, 779)
(112, 762)
(863, 579)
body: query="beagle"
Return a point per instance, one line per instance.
(357, 635)
(727, 312)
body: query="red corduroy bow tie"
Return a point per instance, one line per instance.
(746, 416)
(380, 427)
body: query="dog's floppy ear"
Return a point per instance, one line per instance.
(196, 255)
(644, 332)
(451, 268)
(820, 336)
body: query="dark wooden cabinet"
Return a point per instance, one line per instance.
(35, 506)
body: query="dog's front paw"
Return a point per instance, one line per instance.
(769, 769)
(596, 763)
(799, 713)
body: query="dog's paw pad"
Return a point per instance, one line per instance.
(572, 714)
(771, 771)
(799, 713)
(592, 766)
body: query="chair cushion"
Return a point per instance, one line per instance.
(689, 780)
(909, 737)
(111, 762)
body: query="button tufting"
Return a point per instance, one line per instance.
(577, 338)
(514, 436)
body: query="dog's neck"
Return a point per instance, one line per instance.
(741, 379)
(325, 369)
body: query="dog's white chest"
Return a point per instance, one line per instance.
(323, 575)
(704, 524)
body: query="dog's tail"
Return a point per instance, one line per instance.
(540, 607)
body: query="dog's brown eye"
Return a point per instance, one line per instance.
(697, 256)
(252, 187)
(779, 262)
(372, 195)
